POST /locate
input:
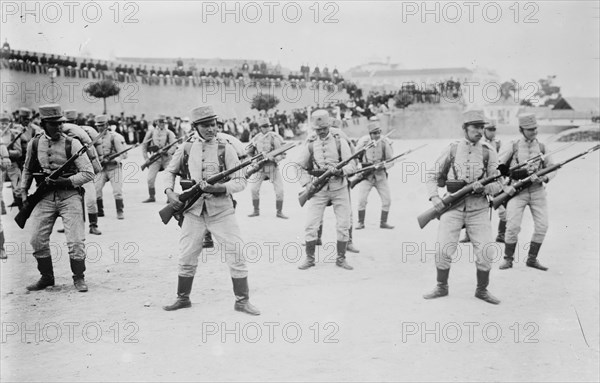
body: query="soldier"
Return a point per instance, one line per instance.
(534, 196)
(8, 135)
(110, 143)
(46, 153)
(157, 138)
(30, 130)
(214, 211)
(464, 162)
(4, 163)
(266, 141)
(380, 152)
(320, 153)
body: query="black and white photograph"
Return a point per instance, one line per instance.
(300, 191)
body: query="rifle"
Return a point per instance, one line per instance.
(190, 196)
(162, 151)
(455, 198)
(260, 164)
(520, 185)
(43, 188)
(111, 157)
(314, 187)
(371, 168)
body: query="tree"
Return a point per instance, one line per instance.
(264, 101)
(508, 89)
(548, 92)
(102, 89)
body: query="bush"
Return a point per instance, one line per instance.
(264, 101)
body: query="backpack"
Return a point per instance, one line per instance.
(450, 163)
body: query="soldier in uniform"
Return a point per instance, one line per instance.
(157, 138)
(380, 152)
(534, 196)
(266, 141)
(4, 163)
(30, 130)
(214, 211)
(110, 143)
(8, 136)
(462, 163)
(46, 153)
(320, 153)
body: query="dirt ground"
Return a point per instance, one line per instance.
(323, 324)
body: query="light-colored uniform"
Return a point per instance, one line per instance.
(67, 204)
(214, 213)
(111, 143)
(264, 143)
(161, 137)
(14, 152)
(534, 196)
(325, 153)
(472, 213)
(380, 152)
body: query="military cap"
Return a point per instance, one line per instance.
(527, 121)
(373, 127)
(51, 112)
(336, 123)
(203, 113)
(24, 112)
(161, 117)
(101, 119)
(320, 119)
(474, 117)
(4, 117)
(71, 114)
(490, 124)
(264, 121)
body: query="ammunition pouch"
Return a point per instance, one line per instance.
(519, 174)
(186, 184)
(452, 186)
(153, 148)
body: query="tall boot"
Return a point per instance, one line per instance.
(256, 212)
(242, 297)
(100, 204)
(361, 220)
(501, 231)
(279, 205)
(3, 207)
(441, 290)
(119, 205)
(78, 267)
(151, 193)
(310, 255)
(93, 218)
(16, 202)
(319, 235)
(341, 256)
(383, 224)
(47, 271)
(483, 279)
(534, 248)
(351, 248)
(509, 252)
(2, 251)
(208, 241)
(184, 288)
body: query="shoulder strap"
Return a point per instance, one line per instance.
(34, 165)
(184, 170)
(486, 159)
(68, 146)
(450, 162)
(221, 156)
(515, 152)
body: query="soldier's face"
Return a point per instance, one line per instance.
(207, 129)
(375, 135)
(322, 132)
(474, 133)
(490, 134)
(530, 134)
(4, 124)
(265, 128)
(53, 129)
(101, 127)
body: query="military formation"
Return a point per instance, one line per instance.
(71, 164)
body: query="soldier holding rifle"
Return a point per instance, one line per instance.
(464, 164)
(212, 211)
(157, 138)
(62, 196)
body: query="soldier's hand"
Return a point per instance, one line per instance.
(5, 163)
(535, 179)
(478, 187)
(334, 171)
(212, 189)
(173, 199)
(510, 190)
(437, 203)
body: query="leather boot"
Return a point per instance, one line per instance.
(242, 297)
(501, 231)
(383, 224)
(361, 220)
(256, 212)
(509, 252)
(534, 248)
(279, 205)
(47, 270)
(119, 204)
(2, 251)
(78, 267)
(310, 255)
(319, 235)
(483, 279)
(184, 288)
(341, 256)
(441, 290)
(152, 193)
(93, 218)
(3, 207)
(208, 241)
(351, 248)
(100, 204)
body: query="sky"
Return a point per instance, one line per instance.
(523, 40)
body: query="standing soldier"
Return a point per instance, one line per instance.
(30, 130)
(111, 143)
(464, 162)
(380, 152)
(266, 141)
(319, 154)
(4, 163)
(45, 154)
(214, 211)
(533, 196)
(157, 138)
(11, 138)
